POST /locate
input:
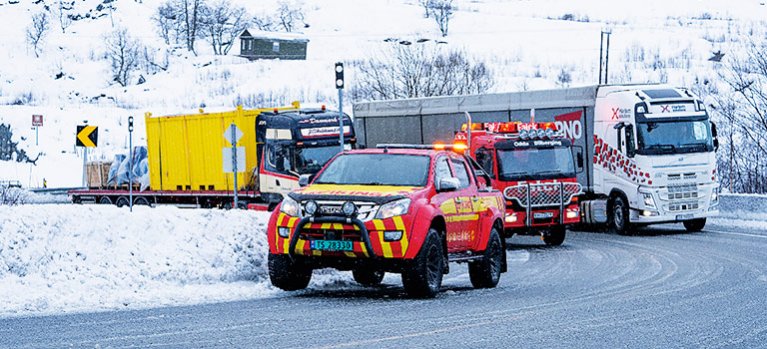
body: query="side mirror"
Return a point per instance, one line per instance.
(714, 136)
(578, 158)
(304, 180)
(630, 146)
(448, 184)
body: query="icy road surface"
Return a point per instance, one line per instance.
(664, 288)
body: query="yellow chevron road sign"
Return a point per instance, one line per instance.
(87, 136)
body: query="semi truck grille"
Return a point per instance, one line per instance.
(682, 176)
(542, 194)
(681, 197)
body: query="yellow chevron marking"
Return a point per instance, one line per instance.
(401, 226)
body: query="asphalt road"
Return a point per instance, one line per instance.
(662, 289)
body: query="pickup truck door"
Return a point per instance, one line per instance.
(466, 200)
(446, 202)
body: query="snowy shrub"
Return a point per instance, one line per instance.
(408, 72)
(37, 31)
(10, 195)
(564, 78)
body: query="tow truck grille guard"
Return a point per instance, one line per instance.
(538, 195)
(330, 219)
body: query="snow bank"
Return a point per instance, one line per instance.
(76, 258)
(743, 206)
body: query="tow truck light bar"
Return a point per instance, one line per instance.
(522, 130)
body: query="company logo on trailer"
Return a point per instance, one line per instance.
(570, 124)
(620, 113)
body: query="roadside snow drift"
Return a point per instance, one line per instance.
(56, 258)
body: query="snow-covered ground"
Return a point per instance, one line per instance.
(526, 44)
(75, 258)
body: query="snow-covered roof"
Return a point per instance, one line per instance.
(282, 36)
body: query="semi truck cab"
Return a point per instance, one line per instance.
(297, 142)
(654, 157)
(532, 164)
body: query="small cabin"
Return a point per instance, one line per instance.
(258, 44)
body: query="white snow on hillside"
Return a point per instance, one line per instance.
(527, 44)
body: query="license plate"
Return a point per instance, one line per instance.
(541, 215)
(684, 217)
(332, 245)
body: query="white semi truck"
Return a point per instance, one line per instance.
(644, 154)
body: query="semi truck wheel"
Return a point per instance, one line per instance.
(368, 276)
(618, 219)
(695, 225)
(487, 272)
(423, 278)
(141, 201)
(556, 236)
(105, 200)
(288, 274)
(122, 201)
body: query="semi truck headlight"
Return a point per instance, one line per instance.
(284, 232)
(570, 214)
(289, 207)
(511, 217)
(393, 209)
(648, 200)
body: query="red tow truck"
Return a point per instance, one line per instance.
(406, 209)
(532, 164)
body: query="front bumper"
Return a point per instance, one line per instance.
(367, 237)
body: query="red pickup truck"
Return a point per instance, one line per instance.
(407, 209)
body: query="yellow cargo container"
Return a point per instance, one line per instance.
(185, 151)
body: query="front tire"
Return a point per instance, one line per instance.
(487, 272)
(368, 277)
(423, 278)
(694, 225)
(618, 221)
(288, 274)
(556, 236)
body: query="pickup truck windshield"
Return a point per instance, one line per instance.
(377, 169)
(533, 163)
(674, 137)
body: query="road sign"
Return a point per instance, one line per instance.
(233, 136)
(37, 120)
(226, 154)
(87, 136)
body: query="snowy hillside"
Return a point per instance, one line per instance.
(527, 45)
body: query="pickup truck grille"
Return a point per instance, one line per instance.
(365, 210)
(542, 194)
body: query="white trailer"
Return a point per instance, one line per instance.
(645, 153)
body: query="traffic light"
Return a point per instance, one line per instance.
(339, 75)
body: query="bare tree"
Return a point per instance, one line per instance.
(442, 11)
(61, 10)
(37, 31)
(426, 4)
(265, 22)
(122, 51)
(289, 14)
(179, 21)
(221, 23)
(11, 196)
(743, 111)
(409, 72)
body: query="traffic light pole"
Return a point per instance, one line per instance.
(341, 117)
(130, 163)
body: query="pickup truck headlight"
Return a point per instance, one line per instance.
(648, 200)
(393, 209)
(290, 207)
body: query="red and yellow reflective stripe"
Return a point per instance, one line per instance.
(385, 246)
(400, 225)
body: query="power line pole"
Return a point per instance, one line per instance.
(604, 55)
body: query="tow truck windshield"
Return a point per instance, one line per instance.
(674, 137)
(377, 169)
(535, 163)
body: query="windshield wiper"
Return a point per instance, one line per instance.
(694, 146)
(514, 174)
(662, 147)
(547, 173)
(326, 182)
